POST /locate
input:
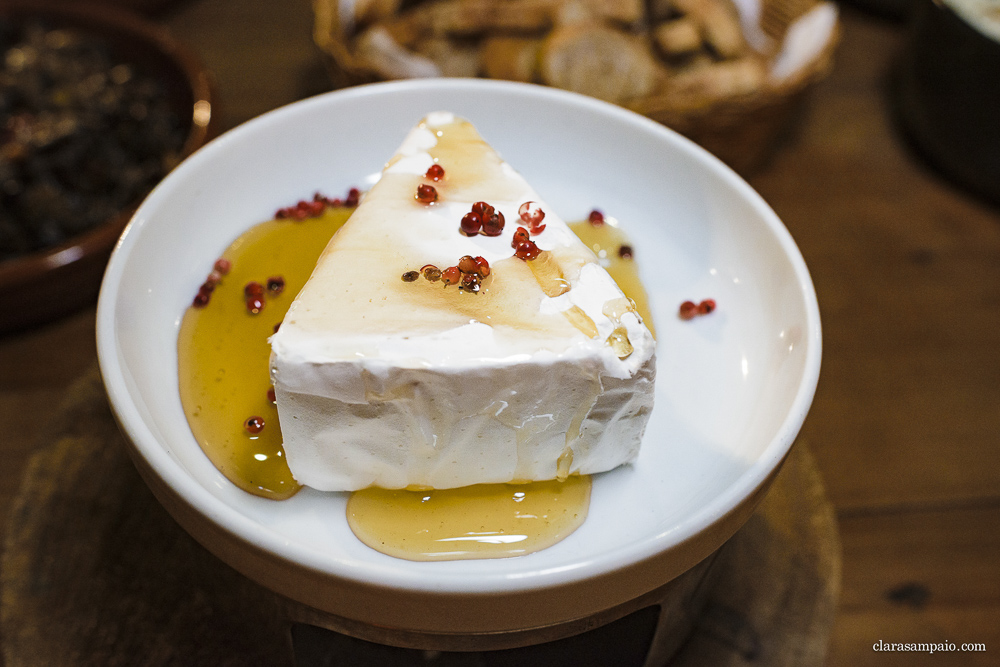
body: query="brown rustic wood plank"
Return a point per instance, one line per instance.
(261, 53)
(921, 558)
(50, 356)
(36, 367)
(855, 632)
(907, 270)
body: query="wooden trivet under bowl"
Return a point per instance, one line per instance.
(95, 572)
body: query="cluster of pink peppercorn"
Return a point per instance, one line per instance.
(319, 203)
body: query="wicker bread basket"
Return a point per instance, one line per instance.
(725, 95)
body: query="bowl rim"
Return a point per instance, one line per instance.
(29, 267)
(747, 487)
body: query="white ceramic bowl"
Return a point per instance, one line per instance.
(732, 388)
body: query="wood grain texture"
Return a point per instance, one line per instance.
(261, 52)
(856, 632)
(36, 367)
(907, 271)
(918, 559)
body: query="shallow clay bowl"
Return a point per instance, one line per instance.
(45, 284)
(732, 391)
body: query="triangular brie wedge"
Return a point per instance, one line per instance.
(544, 371)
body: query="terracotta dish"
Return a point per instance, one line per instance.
(42, 285)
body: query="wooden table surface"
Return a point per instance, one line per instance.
(906, 420)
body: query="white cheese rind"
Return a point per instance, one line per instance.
(435, 427)
(466, 402)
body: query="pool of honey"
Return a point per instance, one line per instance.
(223, 366)
(479, 521)
(223, 352)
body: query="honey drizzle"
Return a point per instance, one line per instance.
(223, 353)
(549, 274)
(223, 359)
(606, 240)
(480, 521)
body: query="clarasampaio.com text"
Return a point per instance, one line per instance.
(926, 647)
